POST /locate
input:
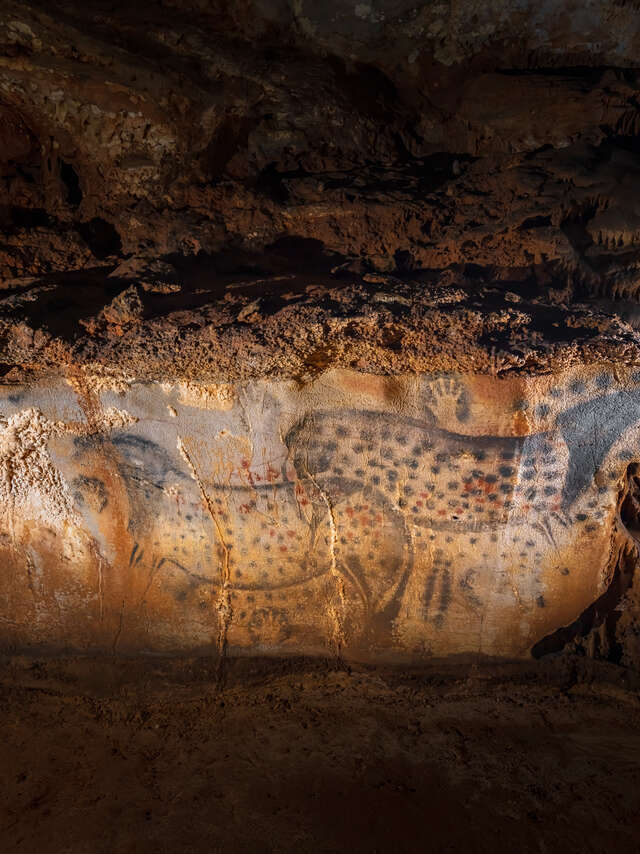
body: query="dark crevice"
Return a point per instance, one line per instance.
(70, 179)
(369, 90)
(590, 73)
(535, 222)
(271, 183)
(14, 218)
(416, 177)
(101, 237)
(574, 226)
(231, 137)
(76, 296)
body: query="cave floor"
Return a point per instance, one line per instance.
(156, 755)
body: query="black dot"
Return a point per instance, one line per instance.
(603, 381)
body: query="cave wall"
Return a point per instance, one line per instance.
(319, 326)
(378, 518)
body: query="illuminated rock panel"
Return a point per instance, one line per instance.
(373, 517)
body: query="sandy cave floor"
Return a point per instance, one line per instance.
(121, 755)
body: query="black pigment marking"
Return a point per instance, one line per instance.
(590, 429)
(143, 455)
(429, 590)
(87, 488)
(604, 611)
(445, 592)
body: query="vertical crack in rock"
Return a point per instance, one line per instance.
(119, 629)
(224, 607)
(338, 619)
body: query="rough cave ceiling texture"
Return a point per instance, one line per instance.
(493, 140)
(319, 325)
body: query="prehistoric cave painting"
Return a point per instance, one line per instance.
(475, 519)
(409, 530)
(131, 489)
(371, 546)
(406, 496)
(366, 529)
(449, 397)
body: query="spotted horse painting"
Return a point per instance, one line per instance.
(371, 517)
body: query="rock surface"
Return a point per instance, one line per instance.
(242, 241)
(376, 517)
(491, 141)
